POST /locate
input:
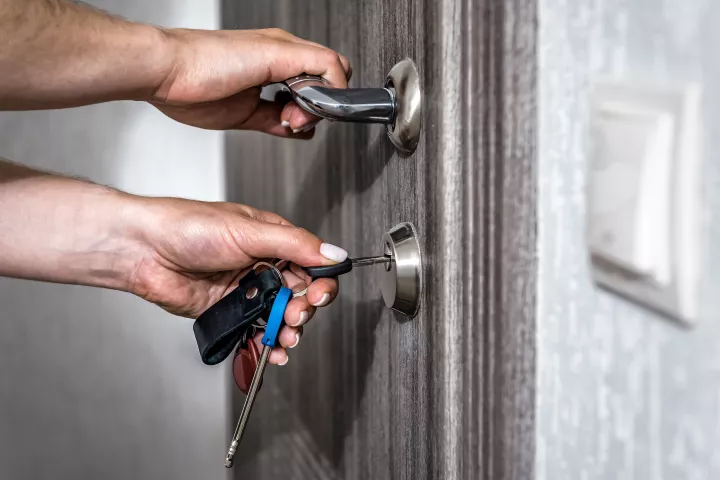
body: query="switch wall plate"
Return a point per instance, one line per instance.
(643, 195)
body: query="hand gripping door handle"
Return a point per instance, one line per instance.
(358, 105)
(398, 104)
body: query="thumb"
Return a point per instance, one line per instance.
(287, 242)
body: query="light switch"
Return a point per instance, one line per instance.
(643, 201)
(630, 190)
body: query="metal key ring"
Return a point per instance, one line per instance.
(282, 264)
(274, 269)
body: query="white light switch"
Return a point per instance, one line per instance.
(630, 190)
(643, 200)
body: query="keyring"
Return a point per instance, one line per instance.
(274, 269)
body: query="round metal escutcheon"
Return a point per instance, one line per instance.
(404, 80)
(401, 279)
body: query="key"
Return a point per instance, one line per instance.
(269, 341)
(330, 271)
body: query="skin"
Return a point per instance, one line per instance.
(179, 254)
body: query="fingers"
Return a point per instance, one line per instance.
(299, 312)
(294, 59)
(319, 293)
(267, 240)
(322, 291)
(294, 117)
(278, 355)
(297, 119)
(268, 118)
(287, 36)
(289, 337)
(291, 59)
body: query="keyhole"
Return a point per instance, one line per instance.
(251, 293)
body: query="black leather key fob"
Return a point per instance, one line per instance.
(221, 326)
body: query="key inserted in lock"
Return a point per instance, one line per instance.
(399, 269)
(401, 279)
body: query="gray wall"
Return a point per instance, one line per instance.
(622, 393)
(98, 384)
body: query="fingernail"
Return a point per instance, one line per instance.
(286, 360)
(323, 301)
(285, 123)
(297, 340)
(331, 252)
(303, 318)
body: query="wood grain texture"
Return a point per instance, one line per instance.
(369, 393)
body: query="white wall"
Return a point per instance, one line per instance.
(623, 394)
(94, 383)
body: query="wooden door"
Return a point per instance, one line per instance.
(369, 394)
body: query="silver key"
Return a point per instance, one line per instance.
(364, 261)
(247, 406)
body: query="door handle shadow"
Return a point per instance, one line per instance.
(347, 165)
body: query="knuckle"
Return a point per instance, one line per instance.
(275, 31)
(330, 57)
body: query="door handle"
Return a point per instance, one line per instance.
(398, 104)
(358, 105)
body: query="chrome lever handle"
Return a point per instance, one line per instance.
(359, 105)
(398, 104)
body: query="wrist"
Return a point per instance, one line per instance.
(107, 246)
(174, 48)
(122, 248)
(155, 71)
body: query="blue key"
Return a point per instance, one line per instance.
(270, 341)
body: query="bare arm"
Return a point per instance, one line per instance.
(58, 229)
(56, 53)
(182, 255)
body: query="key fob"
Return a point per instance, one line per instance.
(244, 365)
(219, 329)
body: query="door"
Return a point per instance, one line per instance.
(369, 393)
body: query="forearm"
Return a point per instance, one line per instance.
(57, 54)
(64, 230)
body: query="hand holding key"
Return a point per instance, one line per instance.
(256, 306)
(192, 254)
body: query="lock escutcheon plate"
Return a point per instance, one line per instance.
(401, 279)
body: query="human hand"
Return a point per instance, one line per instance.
(191, 254)
(216, 78)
